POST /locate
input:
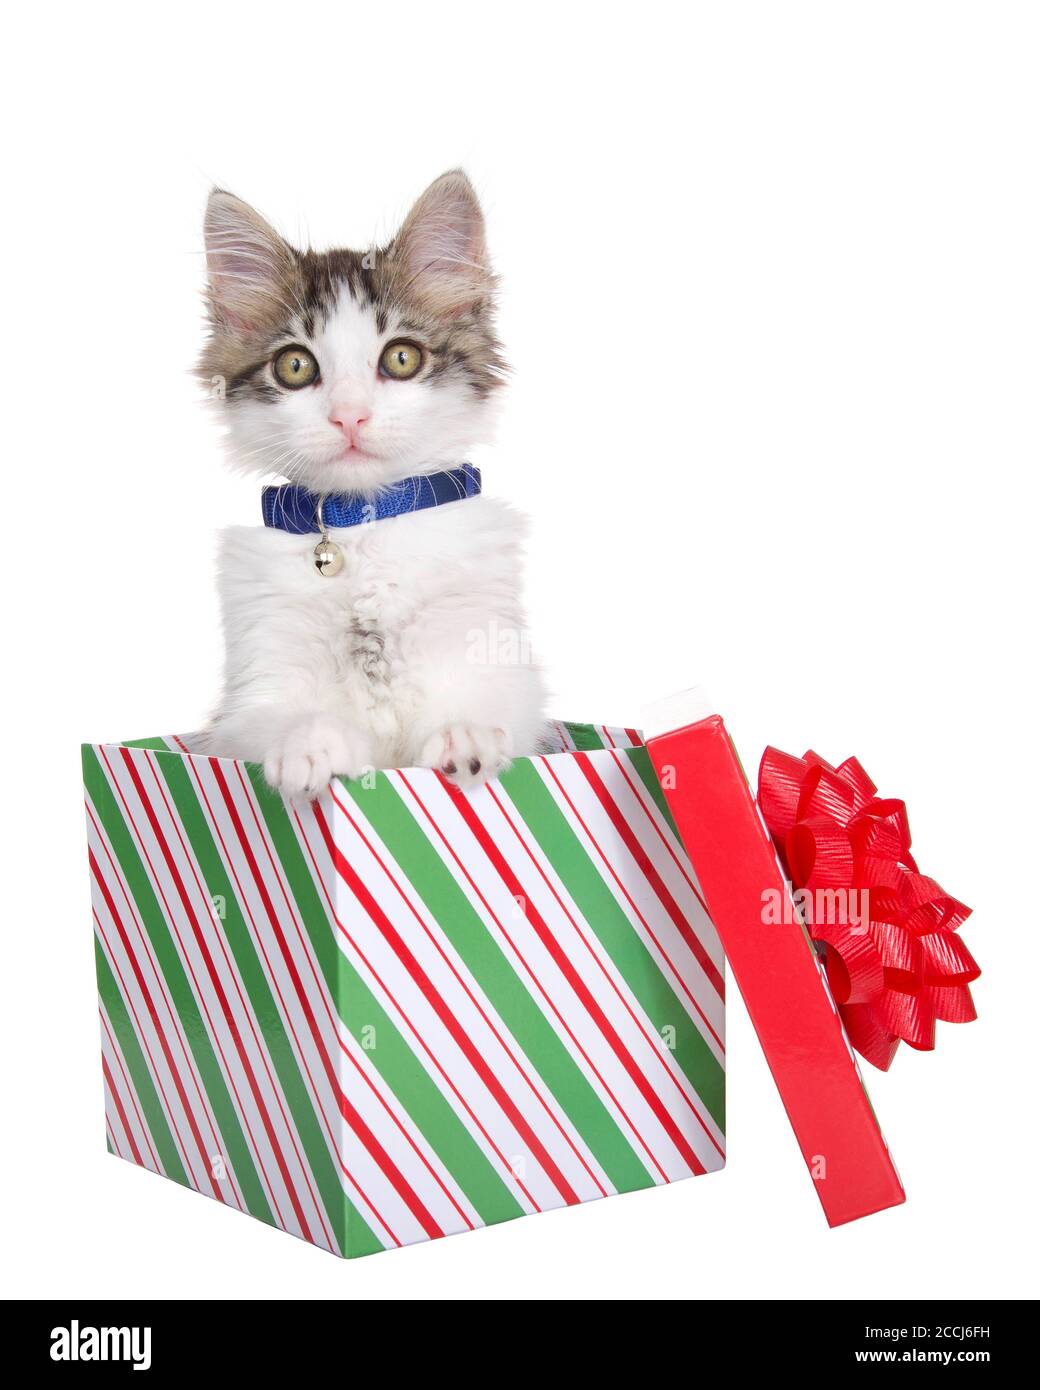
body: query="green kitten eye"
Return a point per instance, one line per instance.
(401, 360)
(295, 367)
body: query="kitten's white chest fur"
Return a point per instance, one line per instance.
(415, 653)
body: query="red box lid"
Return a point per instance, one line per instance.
(777, 970)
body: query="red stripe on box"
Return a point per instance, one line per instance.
(440, 1007)
(129, 1089)
(142, 985)
(171, 1012)
(535, 981)
(648, 1036)
(416, 1034)
(142, 1038)
(151, 764)
(553, 1119)
(639, 854)
(623, 766)
(322, 995)
(383, 1160)
(218, 988)
(117, 1102)
(212, 1031)
(112, 1140)
(677, 974)
(577, 984)
(287, 1019)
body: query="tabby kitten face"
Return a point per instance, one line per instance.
(347, 370)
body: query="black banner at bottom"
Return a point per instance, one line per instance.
(228, 1338)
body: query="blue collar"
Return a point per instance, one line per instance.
(292, 508)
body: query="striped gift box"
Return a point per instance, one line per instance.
(403, 1011)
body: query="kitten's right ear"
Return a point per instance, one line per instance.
(249, 264)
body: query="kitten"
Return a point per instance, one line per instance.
(347, 372)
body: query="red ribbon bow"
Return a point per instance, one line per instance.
(893, 959)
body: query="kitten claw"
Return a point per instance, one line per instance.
(467, 754)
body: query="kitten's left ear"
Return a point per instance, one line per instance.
(440, 254)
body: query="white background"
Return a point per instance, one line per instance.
(770, 288)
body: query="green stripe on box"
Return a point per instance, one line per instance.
(110, 814)
(392, 1056)
(147, 1095)
(585, 737)
(262, 1002)
(640, 760)
(604, 914)
(453, 912)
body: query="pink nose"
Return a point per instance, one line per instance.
(348, 419)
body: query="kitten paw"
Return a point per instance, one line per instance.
(304, 761)
(467, 754)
